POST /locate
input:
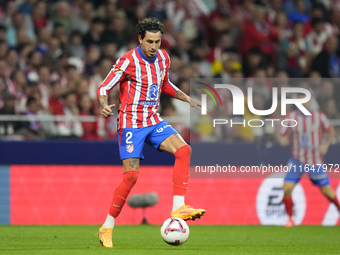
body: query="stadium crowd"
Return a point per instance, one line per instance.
(54, 55)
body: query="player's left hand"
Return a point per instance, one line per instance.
(195, 103)
(323, 149)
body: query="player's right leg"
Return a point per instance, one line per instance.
(130, 176)
(288, 187)
(292, 178)
(131, 143)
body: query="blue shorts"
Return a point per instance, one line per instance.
(316, 173)
(131, 140)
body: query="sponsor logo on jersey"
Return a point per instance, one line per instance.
(129, 148)
(149, 102)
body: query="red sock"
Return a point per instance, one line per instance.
(336, 202)
(122, 191)
(180, 174)
(289, 205)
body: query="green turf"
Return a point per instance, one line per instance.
(146, 239)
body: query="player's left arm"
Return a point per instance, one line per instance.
(324, 147)
(184, 97)
(326, 127)
(171, 90)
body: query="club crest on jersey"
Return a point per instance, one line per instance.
(129, 148)
(153, 92)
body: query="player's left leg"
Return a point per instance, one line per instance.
(166, 138)
(328, 192)
(175, 145)
(321, 179)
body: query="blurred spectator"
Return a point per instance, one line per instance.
(327, 62)
(252, 61)
(82, 22)
(259, 33)
(8, 127)
(317, 37)
(76, 46)
(17, 29)
(71, 127)
(63, 15)
(118, 32)
(55, 101)
(60, 33)
(95, 35)
(293, 53)
(3, 32)
(34, 127)
(44, 74)
(326, 92)
(86, 109)
(300, 13)
(44, 36)
(221, 21)
(102, 68)
(281, 25)
(6, 83)
(110, 51)
(330, 109)
(168, 38)
(39, 15)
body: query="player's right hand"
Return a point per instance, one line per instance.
(107, 111)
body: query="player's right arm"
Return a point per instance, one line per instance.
(112, 79)
(106, 109)
(282, 135)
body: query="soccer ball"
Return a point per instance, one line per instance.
(175, 231)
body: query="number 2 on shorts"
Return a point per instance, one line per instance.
(128, 137)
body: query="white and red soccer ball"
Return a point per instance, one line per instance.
(175, 231)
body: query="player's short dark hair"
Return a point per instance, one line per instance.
(152, 25)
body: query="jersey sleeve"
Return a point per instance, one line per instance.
(325, 123)
(285, 130)
(114, 77)
(168, 87)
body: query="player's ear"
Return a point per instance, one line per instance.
(140, 39)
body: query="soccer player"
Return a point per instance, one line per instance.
(307, 150)
(142, 74)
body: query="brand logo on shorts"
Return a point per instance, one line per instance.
(129, 148)
(162, 128)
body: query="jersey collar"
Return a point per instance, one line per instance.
(143, 57)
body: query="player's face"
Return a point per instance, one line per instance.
(150, 44)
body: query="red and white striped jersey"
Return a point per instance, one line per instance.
(307, 135)
(141, 82)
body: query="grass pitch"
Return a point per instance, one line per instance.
(146, 239)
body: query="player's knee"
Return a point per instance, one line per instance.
(328, 192)
(287, 191)
(183, 152)
(131, 177)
